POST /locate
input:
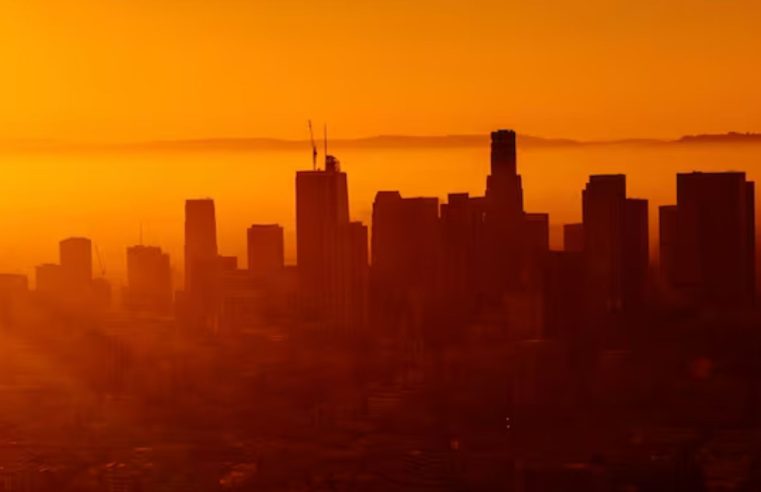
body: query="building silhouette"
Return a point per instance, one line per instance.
(75, 256)
(149, 280)
(328, 248)
(49, 279)
(667, 243)
(406, 245)
(504, 217)
(615, 245)
(709, 244)
(573, 237)
(201, 261)
(463, 261)
(265, 249)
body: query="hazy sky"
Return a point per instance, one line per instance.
(141, 69)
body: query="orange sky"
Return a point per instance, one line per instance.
(142, 69)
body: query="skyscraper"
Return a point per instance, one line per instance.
(354, 309)
(149, 280)
(49, 279)
(406, 247)
(463, 247)
(573, 238)
(406, 240)
(667, 241)
(636, 251)
(324, 243)
(504, 217)
(714, 231)
(76, 262)
(615, 244)
(201, 259)
(265, 249)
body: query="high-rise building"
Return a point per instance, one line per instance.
(201, 260)
(615, 244)
(714, 239)
(636, 251)
(504, 217)
(573, 237)
(76, 262)
(324, 242)
(354, 310)
(49, 279)
(13, 289)
(406, 244)
(265, 249)
(149, 280)
(667, 240)
(463, 245)
(405, 240)
(200, 242)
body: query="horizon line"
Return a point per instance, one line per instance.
(384, 140)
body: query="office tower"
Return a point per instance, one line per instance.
(13, 284)
(239, 299)
(356, 267)
(463, 243)
(667, 242)
(536, 236)
(149, 280)
(504, 216)
(226, 263)
(615, 244)
(75, 255)
(537, 230)
(200, 242)
(49, 279)
(573, 237)
(265, 249)
(201, 260)
(636, 251)
(13, 289)
(714, 258)
(405, 240)
(324, 243)
(564, 296)
(405, 254)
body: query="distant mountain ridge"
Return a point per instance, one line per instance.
(373, 142)
(731, 137)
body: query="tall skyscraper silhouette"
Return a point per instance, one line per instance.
(615, 244)
(504, 218)
(201, 259)
(667, 241)
(48, 279)
(76, 262)
(324, 242)
(463, 253)
(713, 241)
(573, 237)
(265, 249)
(406, 246)
(149, 280)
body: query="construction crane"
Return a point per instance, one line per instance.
(314, 147)
(100, 262)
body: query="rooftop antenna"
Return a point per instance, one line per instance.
(141, 233)
(314, 147)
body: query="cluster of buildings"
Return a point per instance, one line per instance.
(426, 263)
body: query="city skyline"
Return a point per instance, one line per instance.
(380, 246)
(452, 322)
(556, 220)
